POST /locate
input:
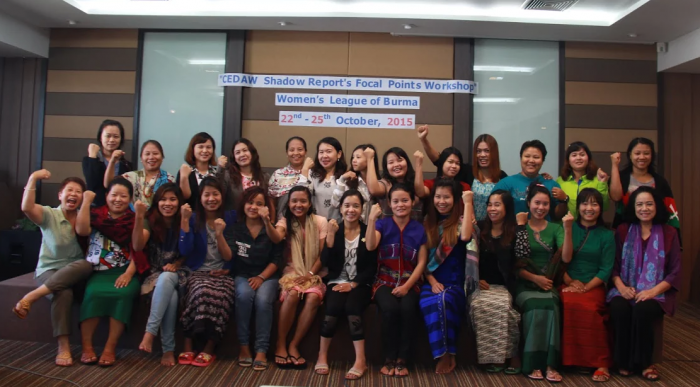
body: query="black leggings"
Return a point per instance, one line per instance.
(633, 331)
(351, 304)
(399, 316)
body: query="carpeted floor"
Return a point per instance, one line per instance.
(681, 367)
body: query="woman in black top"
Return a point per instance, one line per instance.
(110, 136)
(256, 260)
(200, 162)
(494, 319)
(351, 271)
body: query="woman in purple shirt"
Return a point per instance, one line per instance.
(646, 278)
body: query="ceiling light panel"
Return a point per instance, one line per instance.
(588, 12)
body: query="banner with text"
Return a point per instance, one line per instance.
(349, 83)
(347, 101)
(347, 120)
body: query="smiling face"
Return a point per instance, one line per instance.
(539, 206)
(351, 209)
(327, 156)
(118, 199)
(203, 152)
(111, 138)
(589, 211)
(451, 166)
(396, 165)
(296, 153)
(242, 155)
(578, 160)
(168, 204)
(641, 156)
(645, 207)
(401, 203)
(251, 207)
(531, 161)
(152, 158)
(71, 196)
(359, 161)
(483, 155)
(299, 203)
(211, 199)
(443, 200)
(495, 209)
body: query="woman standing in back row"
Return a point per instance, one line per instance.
(200, 162)
(323, 174)
(110, 136)
(284, 179)
(244, 171)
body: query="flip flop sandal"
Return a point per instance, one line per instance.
(322, 369)
(400, 366)
(553, 379)
(599, 373)
(23, 305)
(494, 369)
(260, 365)
(354, 374)
(390, 365)
(203, 360)
(533, 377)
(245, 362)
(287, 365)
(88, 358)
(513, 370)
(64, 359)
(297, 365)
(651, 374)
(185, 358)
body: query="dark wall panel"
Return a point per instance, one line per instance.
(611, 117)
(90, 104)
(92, 59)
(610, 70)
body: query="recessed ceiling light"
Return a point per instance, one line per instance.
(632, 35)
(283, 23)
(408, 26)
(172, 111)
(72, 22)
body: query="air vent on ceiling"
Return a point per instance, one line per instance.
(549, 5)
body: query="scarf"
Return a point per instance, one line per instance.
(304, 247)
(437, 255)
(119, 231)
(471, 269)
(639, 269)
(161, 179)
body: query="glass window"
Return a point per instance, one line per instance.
(179, 92)
(518, 98)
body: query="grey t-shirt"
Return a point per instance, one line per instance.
(213, 260)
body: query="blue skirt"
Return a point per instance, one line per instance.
(443, 314)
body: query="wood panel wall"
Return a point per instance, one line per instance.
(22, 89)
(91, 77)
(610, 98)
(681, 135)
(345, 54)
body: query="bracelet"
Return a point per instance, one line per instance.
(29, 189)
(311, 272)
(261, 277)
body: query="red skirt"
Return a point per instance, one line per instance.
(585, 341)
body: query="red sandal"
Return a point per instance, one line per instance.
(203, 360)
(185, 358)
(651, 374)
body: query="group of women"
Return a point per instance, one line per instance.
(528, 259)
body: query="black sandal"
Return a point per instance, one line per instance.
(400, 366)
(390, 365)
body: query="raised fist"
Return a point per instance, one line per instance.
(117, 155)
(88, 197)
(602, 176)
(41, 174)
(615, 158)
(185, 170)
(468, 197)
(219, 226)
(332, 226)
(186, 211)
(568, 220)
(93, 149)
(222, 161)
(140, 208)
(423, 132)
(369, 153)
(375, 212)
(418, 155)
(521, 218)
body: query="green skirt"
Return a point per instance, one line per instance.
(103, 299)
(541, 318)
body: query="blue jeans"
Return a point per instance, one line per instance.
(164, 310)
(264, 300)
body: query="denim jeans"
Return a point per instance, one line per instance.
(264, 300)
(164, 310)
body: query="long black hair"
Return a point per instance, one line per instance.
(509, 222)
(340, 166)
(447, 152)
(662, 214)
(200, 213)
(288, 213)
(630, 147)
(585, 195)
(410, 172)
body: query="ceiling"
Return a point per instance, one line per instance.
(588, 20)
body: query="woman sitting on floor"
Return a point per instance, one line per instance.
(449, 227)
(210, 288)
(111, 289)
(585, 336)
(169, 274)
(351, 270)
(61, 262)
(646, 278)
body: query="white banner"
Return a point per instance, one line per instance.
(347, 101)
(348, 120)
(349, 83)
